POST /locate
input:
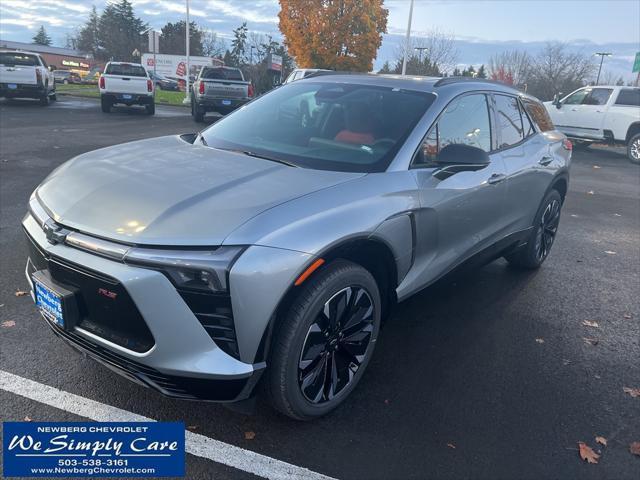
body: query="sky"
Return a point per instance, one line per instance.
(480, 27)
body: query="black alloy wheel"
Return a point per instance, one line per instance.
(547, 229)
(336, 344)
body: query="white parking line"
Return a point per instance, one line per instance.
(196, 444)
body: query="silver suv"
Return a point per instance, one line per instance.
(268, 248)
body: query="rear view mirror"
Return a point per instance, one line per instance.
(464, 155)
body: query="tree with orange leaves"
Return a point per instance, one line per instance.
(333, 34)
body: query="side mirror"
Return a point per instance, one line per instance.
(462, 155)
(556, 100)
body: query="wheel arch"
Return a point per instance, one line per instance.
(561, 184)
(633, 129)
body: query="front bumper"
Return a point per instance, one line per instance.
(180, 359)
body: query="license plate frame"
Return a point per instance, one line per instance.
(49, 303)
(57, 303)
(12, 86)
(226, 103)
(126, 96)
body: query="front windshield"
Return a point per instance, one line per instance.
(324, 125)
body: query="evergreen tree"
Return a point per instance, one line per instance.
(482, 72)
(172, 39)
(239, 45)
(41, 38)
(386, 68)
(87, 39)
(120, 32)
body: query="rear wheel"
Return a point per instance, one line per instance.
(105, 104)
(196, 112)
(633, 148)
(323, 345)
(545, 228)
(151, 108)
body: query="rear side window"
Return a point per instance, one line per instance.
(629, 96)
(221, 74)
(529, 129)
(508, 120)
(598, 96)
(21, 59)
(538, 114)
(125, 69)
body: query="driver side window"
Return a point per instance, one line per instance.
(576, 98)
(464, 121)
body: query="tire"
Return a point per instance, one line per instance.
(581, 145)
(196, 112)
(542, 237)
(44, 99)
(633, 149)
(150, 108)
(105, 104)
(307, 392)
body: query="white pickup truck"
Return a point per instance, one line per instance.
(606, 114)
(126, 83)
(26, 75)
(221, 89)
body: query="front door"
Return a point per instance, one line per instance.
(462, 213)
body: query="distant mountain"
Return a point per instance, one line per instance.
(477, 52)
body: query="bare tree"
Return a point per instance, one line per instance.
(438, 47)
(555, 69)
(512, 66)
(212, 44)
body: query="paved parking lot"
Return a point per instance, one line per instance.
(486, 375)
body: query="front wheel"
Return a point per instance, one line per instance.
(322, 346)
(633, 149)
(543, 234)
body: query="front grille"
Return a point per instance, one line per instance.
(188, 388)
(214, 313)
(115, 319)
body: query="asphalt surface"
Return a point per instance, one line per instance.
(493, 363)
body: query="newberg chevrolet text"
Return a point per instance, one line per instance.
(262, 253)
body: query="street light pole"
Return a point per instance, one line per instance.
(187, 93)
(602, 55)
(407, 41)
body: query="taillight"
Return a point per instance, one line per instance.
(102, 82)
(38, 77)
(250, 90)
(567, 145)
(149, 86)
(201, 88)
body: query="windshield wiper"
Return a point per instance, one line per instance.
(249, 153)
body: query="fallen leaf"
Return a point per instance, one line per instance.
(20, 293)
(540, 340)
(249, 435)
(451, 445)
(8, 323)
(597, 376)
(192, 427)
(588, 323)
(627, 316)
(610, 252)
(386, 402)
(634, 392)
(566, 361)
(591, 341)
(617, 215)
(590, 192)
(587, 453)
(574, 215)
(27, 419)
(596, 167)
(635, 448)
(601, 441)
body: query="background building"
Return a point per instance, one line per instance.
(57, 58)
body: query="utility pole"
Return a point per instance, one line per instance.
(407, 41)
(187, 93)
(602, 55)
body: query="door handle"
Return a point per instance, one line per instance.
(546, 160)
(496, 178)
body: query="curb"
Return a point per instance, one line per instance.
(80, 95)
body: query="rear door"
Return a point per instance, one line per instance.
(529, 161)
(126, 78)
(18, 68)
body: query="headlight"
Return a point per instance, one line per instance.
(197, 270)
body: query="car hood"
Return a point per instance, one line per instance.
(165, 191)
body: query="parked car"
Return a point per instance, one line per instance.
(300, 73)
(221, 89)
(26, 75)
(163, 83)
(65, 77)
(128, 84)
(268, 250)
(92, 77)
(604, 114)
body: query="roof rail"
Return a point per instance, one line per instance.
(450, 80)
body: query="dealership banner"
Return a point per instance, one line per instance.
(93, 449)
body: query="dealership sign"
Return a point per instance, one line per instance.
(73, 63)
(275, 62)
(96, 449)
(175, 66)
